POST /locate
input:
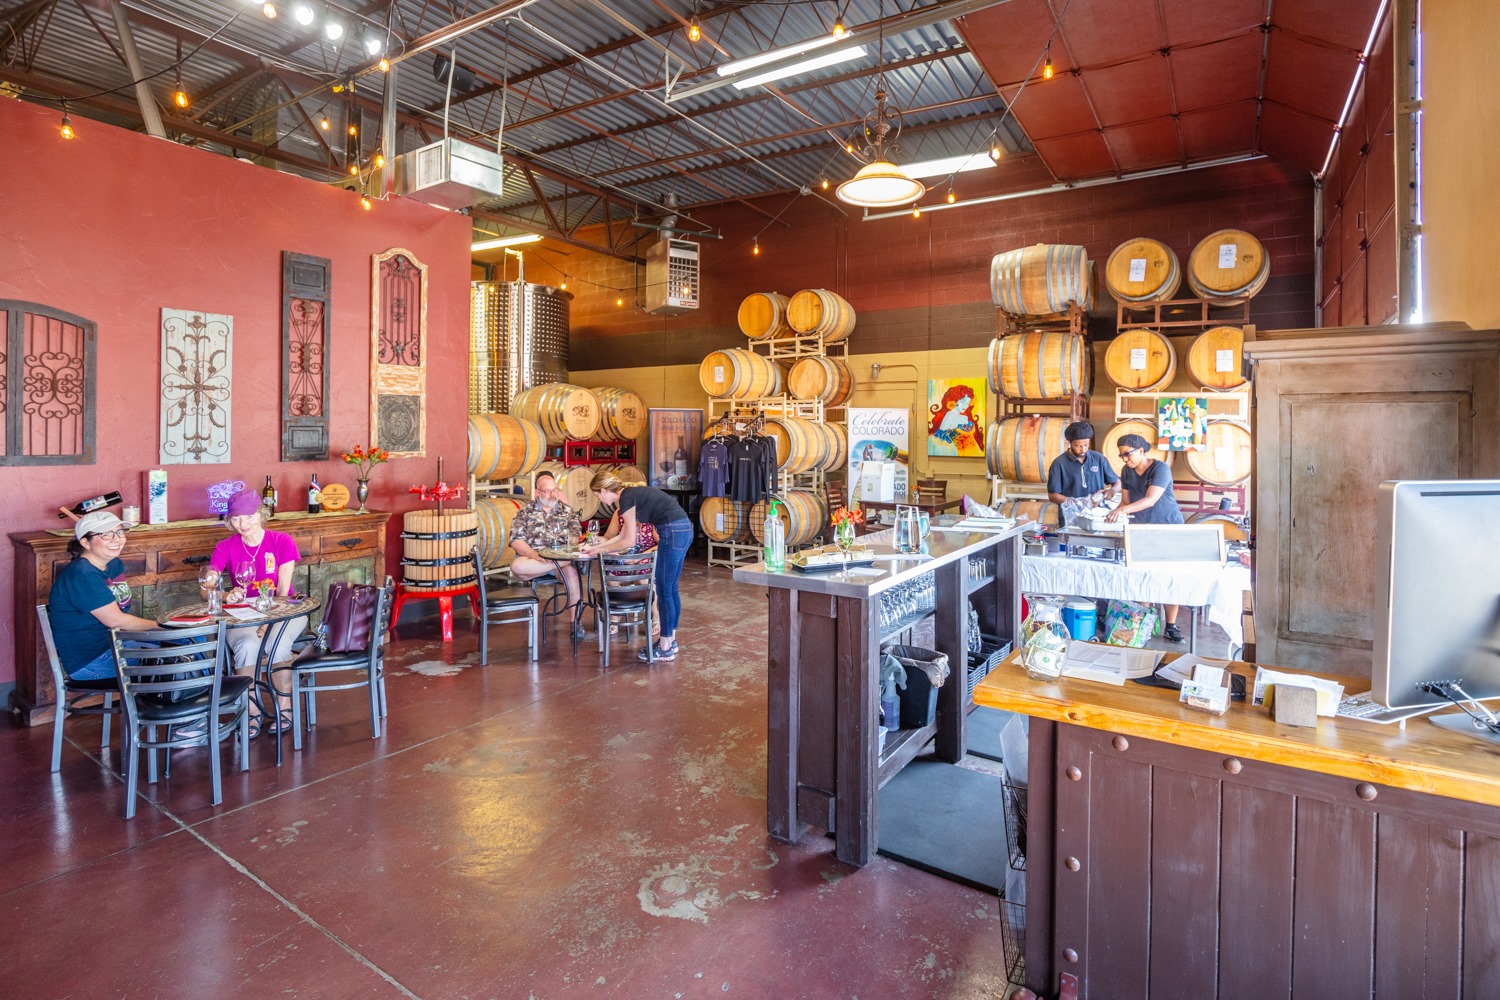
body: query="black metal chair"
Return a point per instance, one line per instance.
(505, 606)
(367, 665)
(179, 686)
(67, 693)
(625, 593)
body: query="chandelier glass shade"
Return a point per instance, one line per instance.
(880, 184)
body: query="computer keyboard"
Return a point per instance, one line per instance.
(1363, 708)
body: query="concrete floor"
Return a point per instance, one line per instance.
(520, 831)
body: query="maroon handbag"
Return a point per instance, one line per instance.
(350, 616)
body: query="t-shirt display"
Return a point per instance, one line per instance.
(651, 505)
(80, 588)
(713, 467)
(1165, 510)
(752, 469)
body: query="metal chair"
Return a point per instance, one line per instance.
(505, 606)
(67, 693)
(179, 683)
(367, 664)
(628, 579)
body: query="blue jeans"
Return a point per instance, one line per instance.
(673, 540)
(102, 667)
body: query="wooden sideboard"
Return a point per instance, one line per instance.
(162, 562)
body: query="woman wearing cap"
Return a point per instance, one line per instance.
(272, 558)
(1148, 500)
(674, 531)
(88, 600)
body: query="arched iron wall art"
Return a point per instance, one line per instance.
(47, 385)
(398, 352)
(196, 369)
(305, 302)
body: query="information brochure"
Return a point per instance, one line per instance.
(1092, 661)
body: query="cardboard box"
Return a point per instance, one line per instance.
(155, 496)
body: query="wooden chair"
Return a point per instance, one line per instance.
(67, 694)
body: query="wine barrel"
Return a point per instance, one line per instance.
(736, 373)
(1109, 447)
(1142, 360)
(819, 311)
(1021, 449)
(574, 483)
(622, 414)
(1216, 358)
(502, 446)
(565, 412)
(828, 379)
(631, 475)
(1228, 266)
(724, 520)
(801, 445)
(1038, 365)
(1233, 530)
(1227, 459)
(1040, 280)
(437, 548)
(805, 514)
(763, 316)
(838, 447)
(494, 515)
(1142, 270)
(1042, 511)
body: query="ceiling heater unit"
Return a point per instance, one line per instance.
(672, 277)
(450, 174)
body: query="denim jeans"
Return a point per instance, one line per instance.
(102, 667)
(673, 540)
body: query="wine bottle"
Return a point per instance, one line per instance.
(679, 459)
(268, 498)
(314, 496)
(100, 502)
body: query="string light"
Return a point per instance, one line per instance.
(695, 30)
(619, 300)
(825, 184)
(180, 97)
(379, 160)
(66, 128)
(268, 9)
(755, 247)
(687, 291)
(848, 147)
(365, 203)
(995, 151)
(385, 65)
(354, 170)
(916, 213)
(564, 286)
(324, 123)
(951, 196)
(1047, 69)
(838, 25)
(354, 130)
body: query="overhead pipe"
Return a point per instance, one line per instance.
(150, 113)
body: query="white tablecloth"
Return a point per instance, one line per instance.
(1219, 588)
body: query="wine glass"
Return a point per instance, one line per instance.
(243, 574)
(208, 579)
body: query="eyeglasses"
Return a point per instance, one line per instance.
(117, 533)
(1125, 455)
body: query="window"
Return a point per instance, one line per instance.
(47, 386)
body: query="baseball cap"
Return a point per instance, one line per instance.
(96, 523)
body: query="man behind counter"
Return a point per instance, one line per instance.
(1080, 471)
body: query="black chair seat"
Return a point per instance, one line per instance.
(510, 602)
(152, 708)
(110, 684)
(334, 661)
(629, 603)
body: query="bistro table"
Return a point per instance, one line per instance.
(585, 566)
(282, 612)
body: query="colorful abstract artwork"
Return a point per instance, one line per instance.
(955, 417)
(1182, 423)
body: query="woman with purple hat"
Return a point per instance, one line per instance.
(257, 556)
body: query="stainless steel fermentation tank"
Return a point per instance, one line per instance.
(518, 338)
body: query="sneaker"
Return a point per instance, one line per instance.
(1172, 633)
(578, 632)
(195, 735)
(661, 654)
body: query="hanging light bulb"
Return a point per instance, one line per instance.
(354, 130)
(354, 170)
(303, 14)
(179, 96)
(268, 9)
(365, 203)
(66, 127)
(379, 160)
(951, 196)
(838, 26)
(324, 123)
(848, 147)
(916, 213)
(755, 247)
(695, 30)
(995, 151)
(1047, 69)
(619, 300)
(825, 184)
(564, 286)
(385, 65)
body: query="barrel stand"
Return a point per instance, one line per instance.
(445, 604)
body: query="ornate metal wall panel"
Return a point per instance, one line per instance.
(196, 356)
(305, 301)
(398, 352)
(47, 385)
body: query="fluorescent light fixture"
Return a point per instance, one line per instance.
(945, 165)
(750, 62)
(806, 66)
(506, 241)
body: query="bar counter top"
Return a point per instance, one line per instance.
(1422, 757)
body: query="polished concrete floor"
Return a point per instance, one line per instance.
(521, 831)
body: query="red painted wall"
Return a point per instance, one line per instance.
(113, 226)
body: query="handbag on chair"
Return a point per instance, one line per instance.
(350, 615)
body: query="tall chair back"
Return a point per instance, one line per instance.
(504, 606)
(66, 693)
(362, 668)
(625, 593)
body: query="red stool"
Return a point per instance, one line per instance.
(445, 603)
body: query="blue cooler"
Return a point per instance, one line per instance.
(1081, 618)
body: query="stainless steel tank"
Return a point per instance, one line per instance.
(518, 338)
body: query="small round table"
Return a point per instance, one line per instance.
(585, 577)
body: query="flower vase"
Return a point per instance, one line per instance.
(843, 537)
(362, 492)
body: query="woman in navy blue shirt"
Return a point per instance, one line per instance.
(85, 604)
(1148, 500)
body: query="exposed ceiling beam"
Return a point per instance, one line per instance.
(569, 239)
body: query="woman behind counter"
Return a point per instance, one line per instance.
(674, 532)
(87, 599)
(1148, 500)
(269, 556)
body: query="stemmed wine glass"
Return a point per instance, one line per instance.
(243, 574)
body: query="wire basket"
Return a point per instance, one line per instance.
(992, 649)
(1013, 939)
(1015, 824)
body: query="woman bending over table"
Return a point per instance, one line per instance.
(89, 597)
(674, 531)
(255, 555)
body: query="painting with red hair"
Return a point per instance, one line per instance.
(956, 424)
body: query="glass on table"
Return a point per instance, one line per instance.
(208, 580)
(243, 574)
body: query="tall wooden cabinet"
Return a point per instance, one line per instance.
(1337, 412)
(161, 565)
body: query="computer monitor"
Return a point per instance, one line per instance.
(1437, 590)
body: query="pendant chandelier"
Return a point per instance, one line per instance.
(880, 183)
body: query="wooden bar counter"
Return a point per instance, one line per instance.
(824, 763)
(1173, 853)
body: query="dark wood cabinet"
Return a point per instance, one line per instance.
(1337, 412)
(162, 564)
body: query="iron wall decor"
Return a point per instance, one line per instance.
(196, 368)
(305, 302)
(47, 385)
(398, 352)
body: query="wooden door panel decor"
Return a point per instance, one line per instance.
(196, 370)
(398, 352)
(47, 385)
(305, 302)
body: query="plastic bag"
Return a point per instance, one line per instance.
(1130, 623)
(973, 508)
(1072, 507)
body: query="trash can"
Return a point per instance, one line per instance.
(1081, 618)
(926, 670)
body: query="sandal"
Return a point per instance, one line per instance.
(254, 726)
(283, 723)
